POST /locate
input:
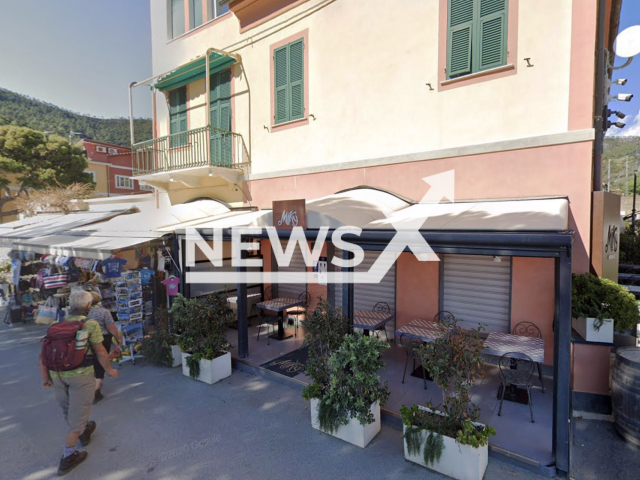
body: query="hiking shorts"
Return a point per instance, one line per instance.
(75, 397)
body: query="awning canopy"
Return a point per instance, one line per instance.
(194, 70)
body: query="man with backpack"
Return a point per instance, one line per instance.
(66, 363)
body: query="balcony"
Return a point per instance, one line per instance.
(189, 156)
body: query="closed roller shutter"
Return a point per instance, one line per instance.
(477, 289)
(292, 290)
(366, 295)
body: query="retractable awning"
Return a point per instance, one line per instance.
(194, 70)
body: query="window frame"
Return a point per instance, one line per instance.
(118, 180)
(145, 187)
(304, 119)
(183, 113)
(93, 174)
(172, 23)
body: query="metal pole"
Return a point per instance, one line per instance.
(243, 323)
(207, 82)
(633, 210)
(626, 177)
(609, 176)
(133, 138)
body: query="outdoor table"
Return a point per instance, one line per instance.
(369, 320)
(280, 305)
(497, 344)
(426, 330)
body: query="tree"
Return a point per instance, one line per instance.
(31, 160)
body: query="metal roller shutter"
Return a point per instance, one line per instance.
(477, 289)
(292, 290)
(366, 295)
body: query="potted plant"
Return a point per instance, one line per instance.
(203, 323)
(160, 347)
(600, 307)
(346, 393)
(448, 438)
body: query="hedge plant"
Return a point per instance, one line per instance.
(600, 298)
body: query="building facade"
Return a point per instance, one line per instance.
(111, 167)
(306, 98)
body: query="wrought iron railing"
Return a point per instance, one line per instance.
(200, 147)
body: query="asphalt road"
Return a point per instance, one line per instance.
(157, 424)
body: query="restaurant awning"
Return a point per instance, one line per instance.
(194, 70)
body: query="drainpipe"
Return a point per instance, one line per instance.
(601, 74)
(131, 111)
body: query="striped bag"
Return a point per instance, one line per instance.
(55, 281)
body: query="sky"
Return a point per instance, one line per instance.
(629, 16)
(78, 54)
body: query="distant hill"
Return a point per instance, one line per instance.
(16, 109)
(620, 153)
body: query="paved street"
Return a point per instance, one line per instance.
(157, 424)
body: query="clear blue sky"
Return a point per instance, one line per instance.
(78, 54)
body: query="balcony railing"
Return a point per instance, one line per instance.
(200, 147)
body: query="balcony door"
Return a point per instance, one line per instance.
(221, 137)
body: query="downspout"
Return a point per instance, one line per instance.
(600, 106)
(131, 112)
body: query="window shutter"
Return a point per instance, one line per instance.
(177, 18)
(296, 79)
(459, 38)
(281, 81)
(492, 34)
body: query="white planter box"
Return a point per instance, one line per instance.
(584, 326)
(461, 462)
(177, 355)
(211, 371)
(353, 432)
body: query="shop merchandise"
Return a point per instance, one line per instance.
(146, 275)
(172, 283)
(112, 267)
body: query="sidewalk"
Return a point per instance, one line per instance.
(155, 423)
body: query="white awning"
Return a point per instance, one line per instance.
(549, 214)
(24, 222)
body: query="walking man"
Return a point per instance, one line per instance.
(109, 332)
(66, 363)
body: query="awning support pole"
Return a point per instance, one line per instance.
(347, 289)
(133, 138)
(207, 93)
(243, 323)
(331, 287)
(562, 365)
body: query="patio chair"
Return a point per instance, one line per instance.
(267, 319)
(531, 330)
(444, 317)
(410, 344)
(516, 369)
(382, 307)
(295, 312)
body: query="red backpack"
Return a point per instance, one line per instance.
(59, 351)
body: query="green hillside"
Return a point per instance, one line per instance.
(620, 152)
(16, 109)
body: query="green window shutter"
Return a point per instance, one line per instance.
(460, 37)
(195, 13)
(178, 110)
(177, 18)
(281, 82)
(492, 34)
(296, 79)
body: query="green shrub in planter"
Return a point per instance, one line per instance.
(156, 348)
(203, 323)
(600, 298)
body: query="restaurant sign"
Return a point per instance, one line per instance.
(288, 214)
(605, 245)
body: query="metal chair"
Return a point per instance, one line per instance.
(265, 318)
(382, 307)
(531, 330)
(295, 312)
(516, 369)
(411, 344)
(444, 317)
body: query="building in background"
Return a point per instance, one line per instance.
(111, 167)
(263, 100)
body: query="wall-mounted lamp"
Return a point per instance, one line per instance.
(528, 60)
(265, 127)
(171, 178)
(497, 258)
(312, 116)
(429, 85)
(210, 173)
